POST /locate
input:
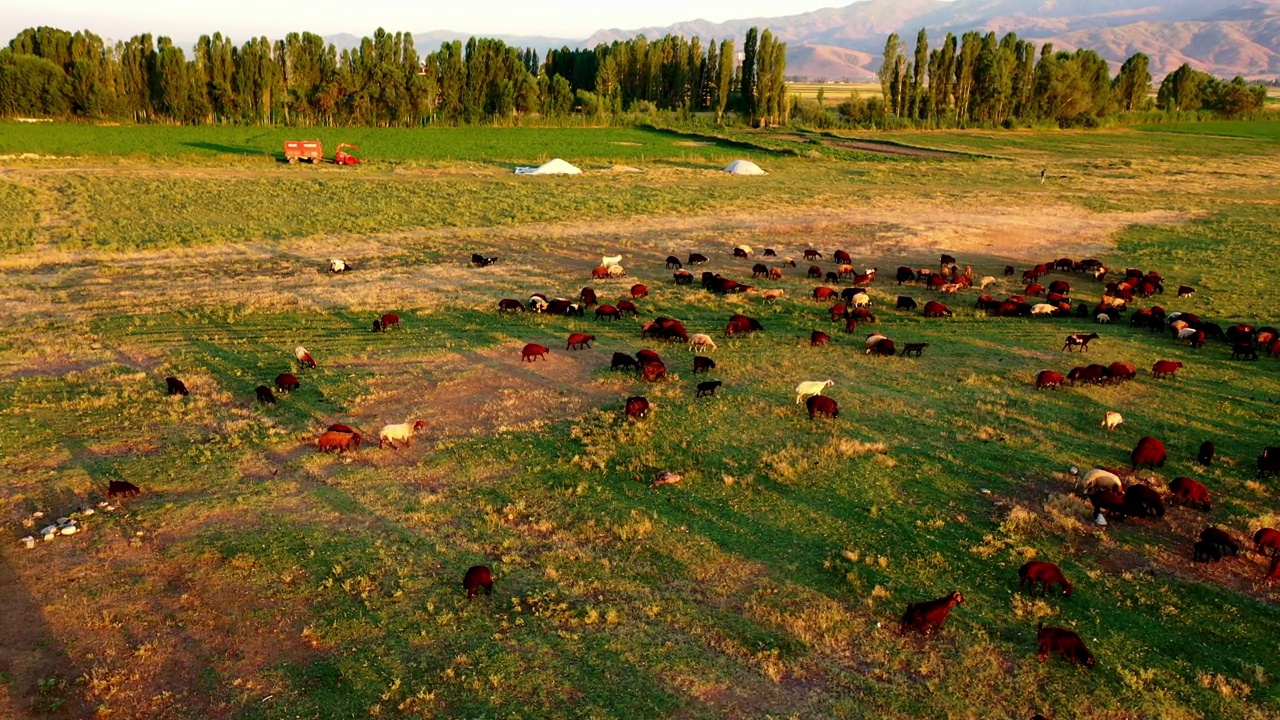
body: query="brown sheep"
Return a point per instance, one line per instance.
(1150, 452)
(286, 382)
(817, 337)
(580, 340)
(339, 441)
(122, 488)
(637, 407)
(653, 371)
(1190, 492)
(1063, 642)
(533, 351)
(477, 577)
(1045, 573)
(926, 617)
(639, 291)
(822, 405)
(915, 349)
(175, 386)
(1165, 369)
(608, 311)
(935, 309)
(1268, 538)
(1049, 379)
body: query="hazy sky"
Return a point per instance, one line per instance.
(574, 19)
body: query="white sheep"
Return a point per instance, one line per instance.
(399, 433)
(1112, 420)
(861, 300)
(616, 271)
(949, 289)
(1103, 318)
(538, 303)
(701, 341)
(1187, 333)
(810, 388)
(338, 265)
(1042, 309)
(874, 338)
(608, 260)
(1099, 479)
(988, 280)
(771, 296)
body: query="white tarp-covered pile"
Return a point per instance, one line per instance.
(744, 167)
(553, 167)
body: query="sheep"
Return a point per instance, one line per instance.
(1268, 462)
(742, 251)
(914, 348)
(825, 293)
(481, 261)
(850, 324)
(1186, 291)
(883, 348)
(771, 296)
(1044, 573)
(637, 407)
(906, 303)
(1165, 369)
(510, 305)
(841, 256)
(817, 337)
(1008, 270)
(579, 340)
(822, 405)
(1122, 371)
(389, 320)
(1109, 504)
(1062, 642)
(775, 273)
(1205, 551)
(770, 252)
(1150, 452)
(616, 271)
(683, 277)
(608, 311)
(639, 291)
(708, 388)
(1142, 501)
(399, 433)
(1244, 350)
(265, 395)
(814, 272)
(175, 386)
(533, 351)
(810, 388)
(986, 280)
(609, 260)
(812, 255)
(935, 309)
(477, 577)
(1225, 543)
(759, 270)
(285, 382)
(122, 488)
(339, 427)
(1079, 340)
(697, 258)
(742, 325)
(861, 300)
(673, 263)
(1205, 456)
(653, 371)
(1273, 572)
(1112, 420)
(1043, 309)
(926, 617)
(304, 357)
(1190, 492)
(1100, 479)
(838, 312)
(1103, 318)
(1049, 379)
(703, 364)
(949, 288)
(623, 360)
(338, 265)
(338, 441)
(872, 339)
(1268, 538)
(701, 341)
(647, 356)
(538, 303)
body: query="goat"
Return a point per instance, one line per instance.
(812, 387)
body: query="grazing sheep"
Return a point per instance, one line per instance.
(1190, 492)
(1226, 544)
(1186, 291)
(1112, 420)
(510, 305)
(701, 341)
(578, 341)
(1150, 452)
(810, 388)
(1142, 501)
(838, 312)
(1268, 462)
(861, 300)
(647, 356)
(771, 296)
(1049, 379)
(1079, 340)
(1103, 318)
(697, 258)
(1244, 350)
(588, 297)
(608, 311)
(338, 441)
(770, 252)
(1205, 456)
(639, 291)
(906, 303)
(609, 260)
(850, 324)
(477, 577)
(935, 309)
(1107, 503)
(481, 261)
(624, 361)
(1100, 479)
(338, 265)
(872, 339)
(814, 272)
(703, 364)
(399, 433)
(533, 351)
(1043, 309)
(175, 386)
(986, 280)
(742, 325)
(286, 382)
(1205, 551)
(812, 255)
(265, 395)
(389, 320)
(673, 263)
(817, 338)
(304, 357)
(637, 407)
(122, 488)
(653, 371)
(916, 349)
(1165, 369)
(616, 271)
(1273, 572)
(822, 405)
(883, 348)
(841, 256)
(1268, 538)
(742, 251)
(1045, 573)
(825, 293)
(759, 270)
(1064, 642)
(708, 387)
(926, 617)
(1122, 371)
(1008, 270)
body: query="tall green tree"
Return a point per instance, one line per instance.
(1132, 86)
(750, 48)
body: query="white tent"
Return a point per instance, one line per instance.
(553, 167)
(744, 167)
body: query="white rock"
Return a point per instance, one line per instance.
(28, 542)
(104, 504)
(87, 512)
(49, 530)
(1075, 470)
(70, 530)
(37, 514)
(1099, 520)
(49, 536)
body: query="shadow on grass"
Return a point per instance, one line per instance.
(232, 149)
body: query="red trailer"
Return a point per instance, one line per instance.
(309, 150)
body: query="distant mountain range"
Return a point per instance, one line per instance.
(1222, 37)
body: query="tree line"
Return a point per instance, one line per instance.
(986, 80)
(383, 81)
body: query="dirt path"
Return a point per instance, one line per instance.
(893, 149)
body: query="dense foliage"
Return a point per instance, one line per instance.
(299, 80)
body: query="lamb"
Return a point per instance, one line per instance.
(399, 433)
(122, 488)
(812, 387)
(822, 405)
(1268, 538)
(1190, 492)
(697, 258)
(338, 265)
(623, 360)
(1103, 318)
(533, 351)
(639, 291)
(616, 271)
(1079, 340)
(926, 617)
(703, 364)
(339, 441)
(1112, 420)
(771, 296)
(817, 337)
(914, 348)
(708, 388)
(1062, 642)
(175, 386)
(1100, 479)
(286, 382)
(609, 260)
(701, 341)
(1150, 452)
(1044, 573)
(481, 261)
(1165, 369)
(477, 577)
(304, 357)
(1205, 456)
(265, 395)
(579, 340)
(510, 305)
(637, 407)
(1225, 543)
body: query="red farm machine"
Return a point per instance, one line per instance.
(312, 151)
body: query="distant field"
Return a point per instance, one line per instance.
(833, 93)
(1263, 130)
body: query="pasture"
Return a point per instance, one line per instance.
(254, 577)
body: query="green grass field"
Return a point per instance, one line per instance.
(257, 578)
